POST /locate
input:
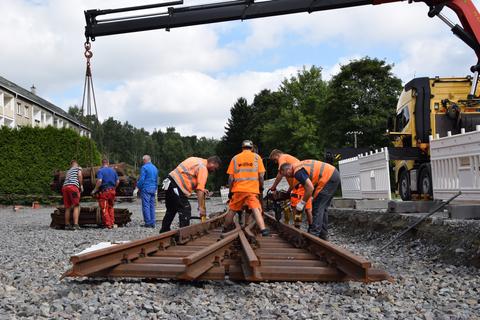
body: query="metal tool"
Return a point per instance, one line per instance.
(433, 211)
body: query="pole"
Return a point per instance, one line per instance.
(419, 221)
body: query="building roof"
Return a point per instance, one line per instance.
(28, 95)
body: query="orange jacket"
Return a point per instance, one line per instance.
(286, 158)
(319, 173)
(245, 168)
(191, 175)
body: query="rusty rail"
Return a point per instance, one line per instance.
(203, 252)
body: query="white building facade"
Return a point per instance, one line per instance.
(20, 107)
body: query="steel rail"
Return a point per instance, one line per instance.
(95, 261)
(203, 252)
(349, 263)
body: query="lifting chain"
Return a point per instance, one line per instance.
(88, 54)
(89, 101)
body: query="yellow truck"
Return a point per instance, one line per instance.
(428, 107)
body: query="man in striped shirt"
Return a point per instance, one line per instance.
(71, 191)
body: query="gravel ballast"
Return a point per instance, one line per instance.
(33, 257)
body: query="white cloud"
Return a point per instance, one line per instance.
(193, 102)
(44, 44)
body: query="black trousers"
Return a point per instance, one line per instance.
(176, 201)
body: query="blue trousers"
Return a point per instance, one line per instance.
(148, 206)
(320, 205)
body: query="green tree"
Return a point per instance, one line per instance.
(237, 129)
(295, 127)
(362, 96)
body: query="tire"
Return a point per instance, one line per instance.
(404, 186)
(425, 182)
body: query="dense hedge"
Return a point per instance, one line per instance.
(29, 156)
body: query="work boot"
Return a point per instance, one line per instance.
(68, 227)
(323, 235)
(265, 232)
(309, 230)
(76, 227)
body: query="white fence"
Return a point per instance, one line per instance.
(350, 177)
(366, 176)
(456, 165)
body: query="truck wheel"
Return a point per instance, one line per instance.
(425, 181)
(404, 186)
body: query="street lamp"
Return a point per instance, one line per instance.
(355, 133)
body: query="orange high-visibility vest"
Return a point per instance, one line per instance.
(244, 168)
(286, 158)
(319, 173)
(191, 175)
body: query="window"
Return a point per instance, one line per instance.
(27, 109)
(402, 119)
(19, 109)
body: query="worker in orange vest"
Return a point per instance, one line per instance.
(245, 180)
(296, 190)
(279, 157)
(190, 175)
(320, 181)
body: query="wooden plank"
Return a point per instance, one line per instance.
(301, 274)
(297, 256)
(159, 260)
(292, 263)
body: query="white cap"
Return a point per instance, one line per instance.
(247, 144)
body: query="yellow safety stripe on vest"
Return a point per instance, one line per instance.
(186, 171)
(246, 179)
(181, 176)
(321, 171)
(237, 170)
(310, 165)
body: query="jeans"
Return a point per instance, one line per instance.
(320, 205)
(176, 201)
(148, 206)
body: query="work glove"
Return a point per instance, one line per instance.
(135, 192)
(300, 206)
(81, 189)
(93, 192)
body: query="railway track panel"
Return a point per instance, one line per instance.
(203, 252)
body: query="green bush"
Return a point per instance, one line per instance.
(29, 156)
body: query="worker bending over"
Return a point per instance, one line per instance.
(190, 175)
(245, 180)
(296, 190)
(280, 158)
(107, 183)
(320, 181)
(71, 190)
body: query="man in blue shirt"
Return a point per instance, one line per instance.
(147, 185)
(107, 182)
